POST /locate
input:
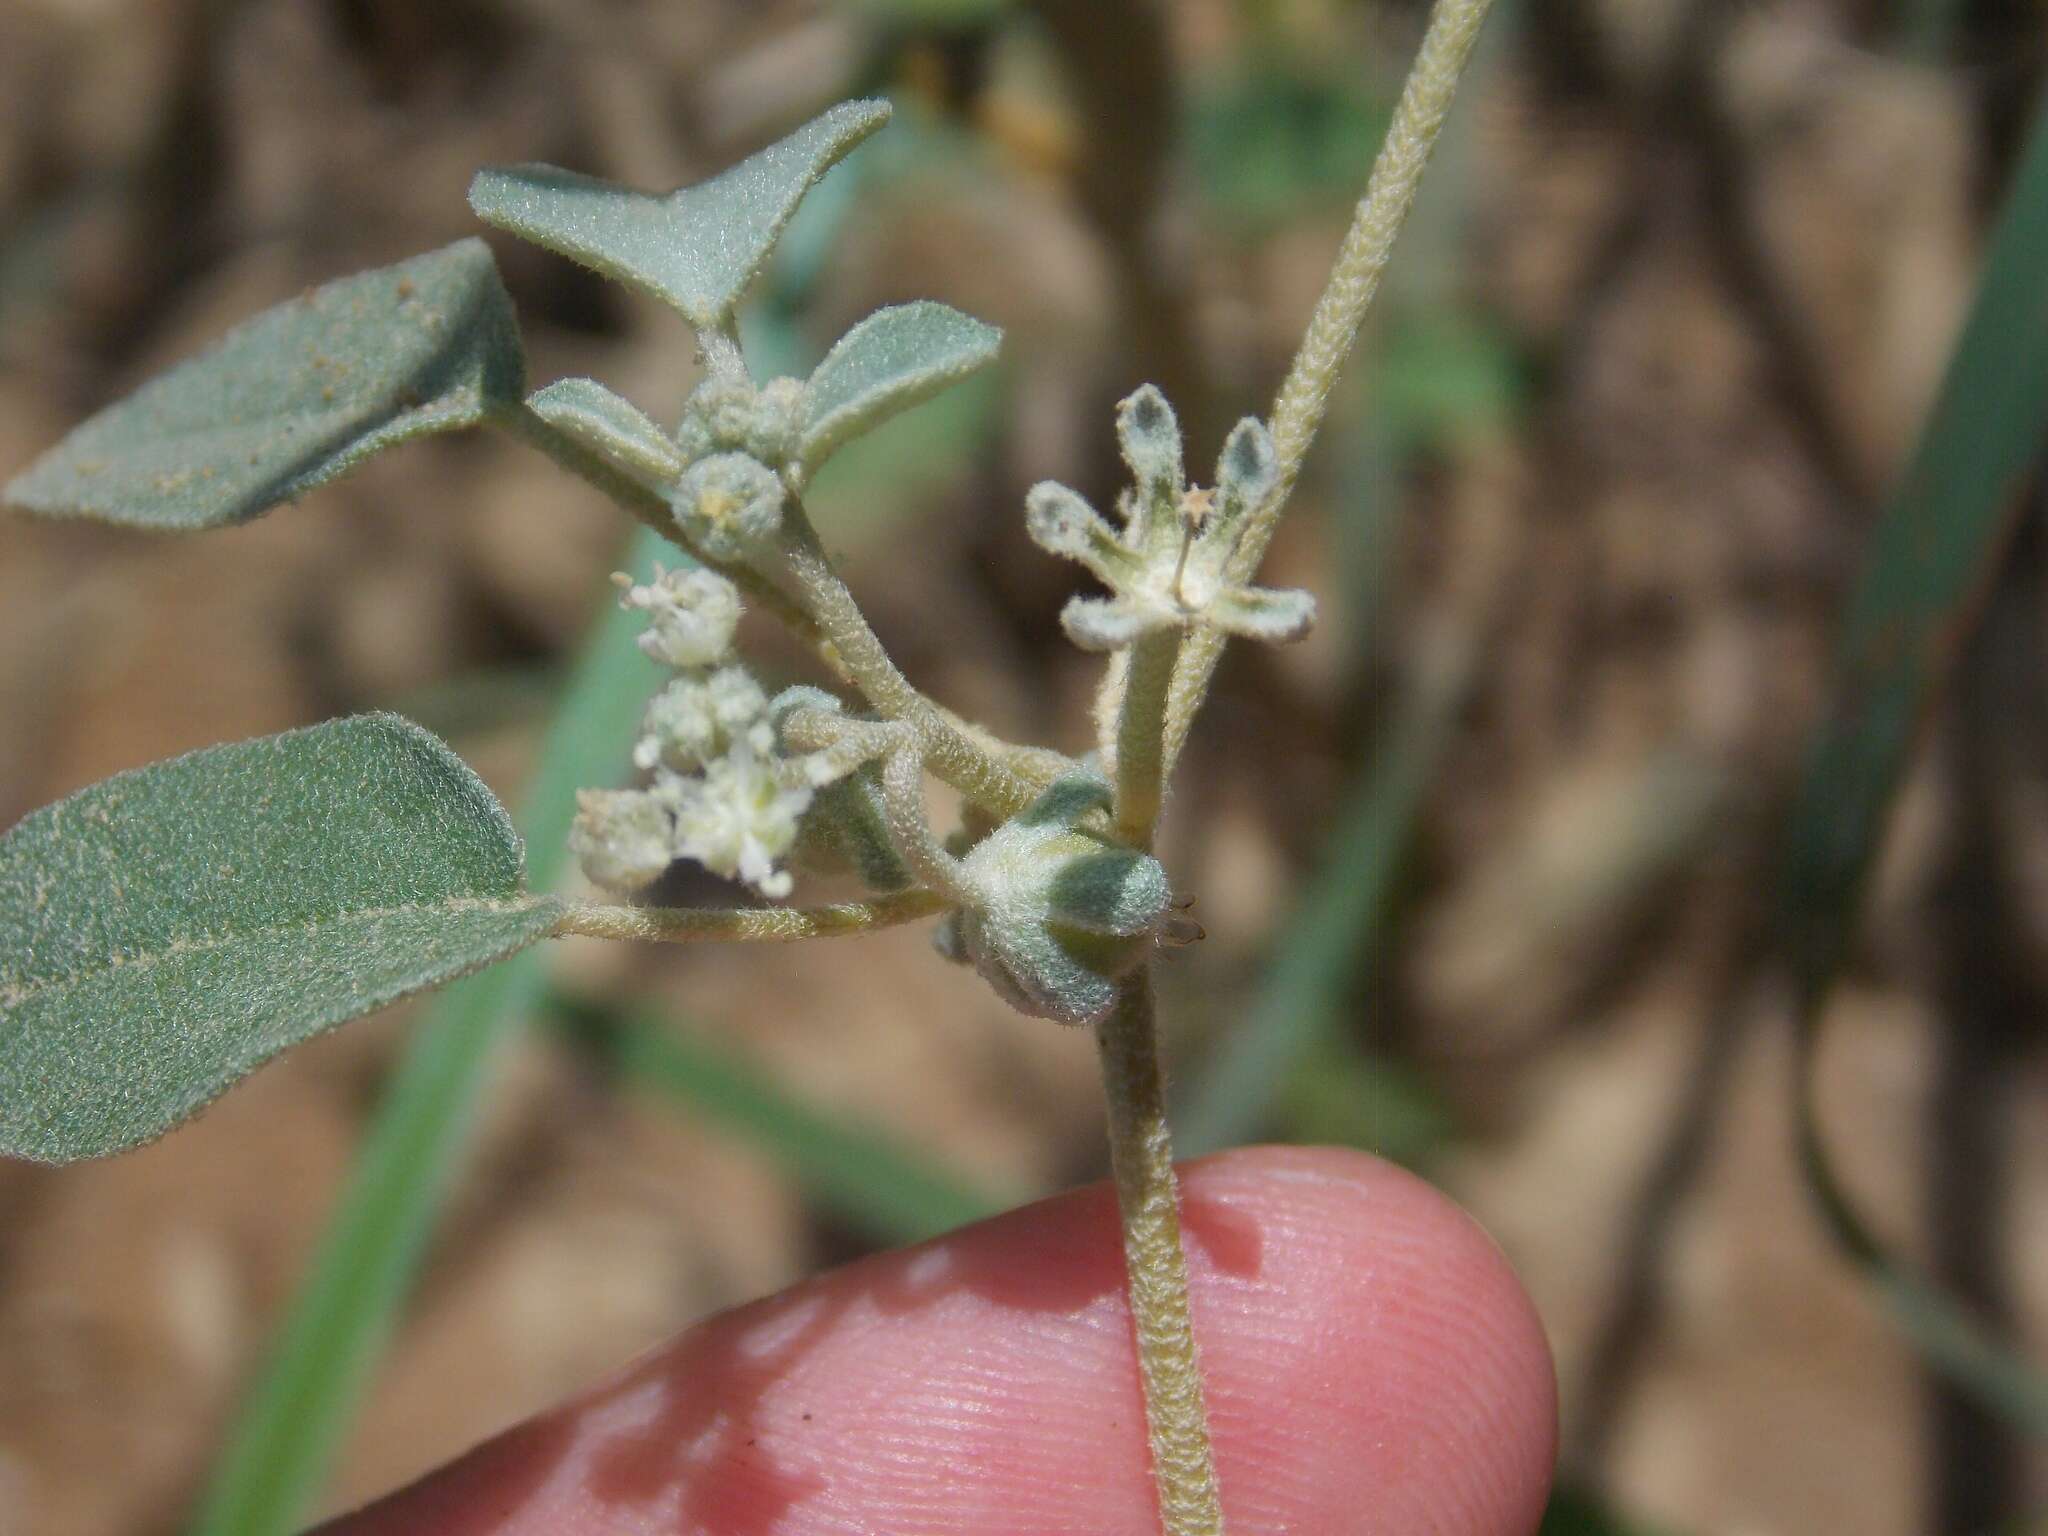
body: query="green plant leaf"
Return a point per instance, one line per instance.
(609, 425)
(165, 932)
(696, 248)
(892, 360)
(291, 399)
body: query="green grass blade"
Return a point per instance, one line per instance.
(1579, 1511)
(1935, 553)
(293, 1421)
(1293, 1014)
(1344, 1095)
(862, 1177)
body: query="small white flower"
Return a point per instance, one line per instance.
(623, 838)
(696, 718)
(738, 818)
(692, 615)
(724, 792)
(1169, 565)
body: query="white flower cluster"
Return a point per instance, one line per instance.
(719, 791)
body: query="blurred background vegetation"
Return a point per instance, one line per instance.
(1494, 867)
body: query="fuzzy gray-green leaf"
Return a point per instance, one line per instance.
(892, 360)
(609, 425)
(294, 397)
(696, 248)
(168, 930)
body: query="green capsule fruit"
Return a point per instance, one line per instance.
(1060, 911)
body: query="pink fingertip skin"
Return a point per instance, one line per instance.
(1372, 1364)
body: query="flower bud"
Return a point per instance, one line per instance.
(623, 838)
(728, 505)
(726, 415)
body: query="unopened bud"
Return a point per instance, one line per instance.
(623, 838)
(728, 505)
(726, 415)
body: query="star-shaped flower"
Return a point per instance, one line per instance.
(1168, 568)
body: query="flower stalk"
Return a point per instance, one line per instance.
(1141, 737)
(1148, 1200)
(1299, 407)
(1141, 1144)
(746, 925)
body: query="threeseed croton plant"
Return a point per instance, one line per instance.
(169, 930)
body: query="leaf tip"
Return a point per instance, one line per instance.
(855, 120)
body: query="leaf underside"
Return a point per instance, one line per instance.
(894, 359)
(166, 931)
(294, 397)
(696, 248)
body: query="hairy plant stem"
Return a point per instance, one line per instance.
(648, 507)
(949, 751)
(719, 347)
(1333, 328)
(1141, 736)
(1156, 1274)
(911, 828)
(757, 925)
(1140, 1147)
